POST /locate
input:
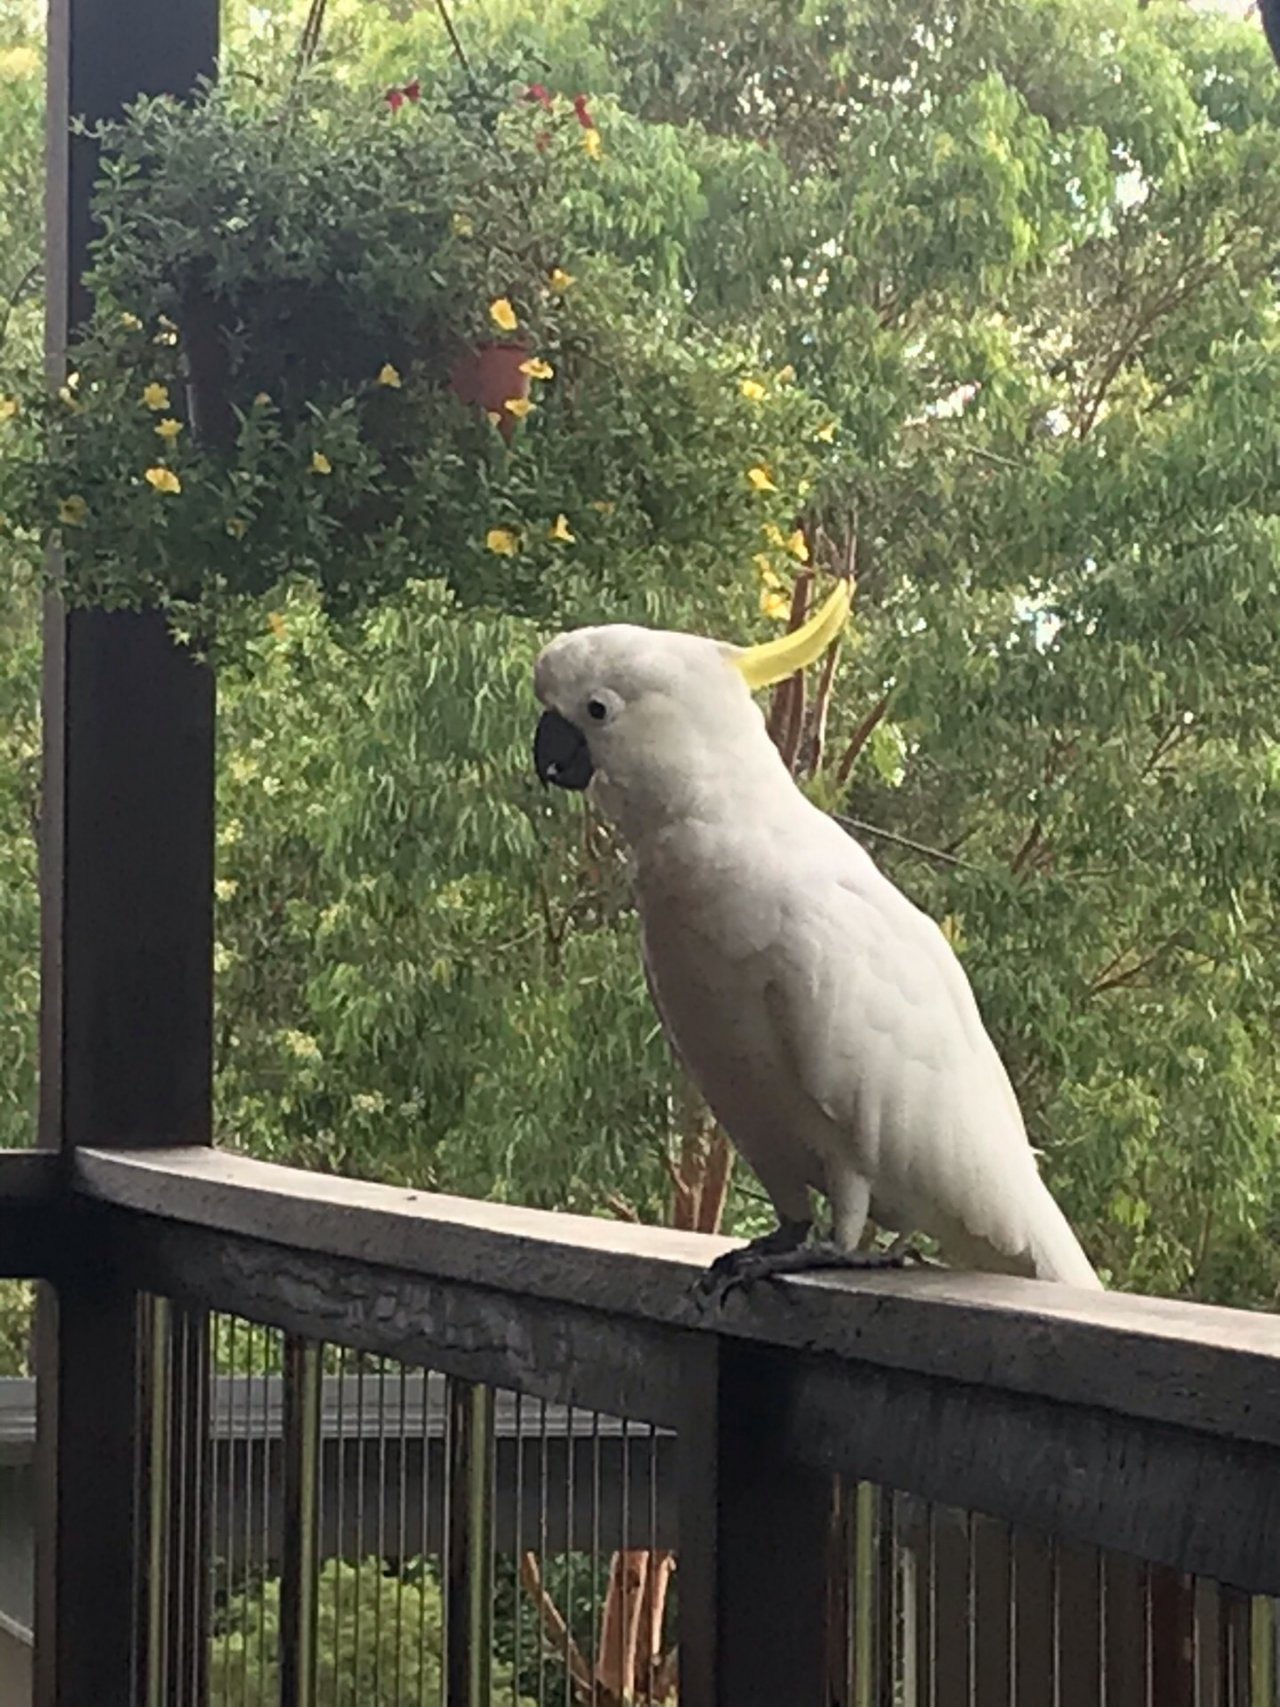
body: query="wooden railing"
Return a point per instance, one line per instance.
(1088, 1431)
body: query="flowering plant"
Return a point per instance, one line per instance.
(286, 307)
(375, 339)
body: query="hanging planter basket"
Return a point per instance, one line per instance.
(489, 377)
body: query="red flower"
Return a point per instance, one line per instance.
(413, 91)
(394, 99)
(584, 117)
(538, 92)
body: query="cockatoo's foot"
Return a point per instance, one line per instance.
(787, 1250)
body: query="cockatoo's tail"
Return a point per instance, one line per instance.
(761, 666)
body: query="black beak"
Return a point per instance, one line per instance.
(560, 752)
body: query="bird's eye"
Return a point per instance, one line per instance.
(597, 710)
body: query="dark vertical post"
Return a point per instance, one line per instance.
(300, 1551)
(755, 1536)
(468, 1545)
(127, 846)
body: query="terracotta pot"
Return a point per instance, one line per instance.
(488, 377)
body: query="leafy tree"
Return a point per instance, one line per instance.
(999, 289)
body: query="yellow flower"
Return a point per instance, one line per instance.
(827, 434)
(774, 534)
(163, 480)
(462, 225)
(167, 337)
(503, 315)
(168, 428)
(277, 624)
(761, 479)
(8, 408)
(503, 541)
(798, 546)
(388, 375)
(560, 529)
(237, 527)
(73, 381)
(494, 417)
(536, 368)
(130, 322)
(320, 463)
(768, 574)
(606, 506)
(592, 146)
(519, 407)
(774, 604)
(753, 391)
(785, 375)
(156, 396)
(73, 511)
(261, 399)
(559, 279)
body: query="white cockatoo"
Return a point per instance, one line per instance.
(823, 1016)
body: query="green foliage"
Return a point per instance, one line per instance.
(1019, 263)
(379, 1638)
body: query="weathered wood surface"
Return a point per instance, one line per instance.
(565, 1353)
(1191, 1366)
(1185, 1498)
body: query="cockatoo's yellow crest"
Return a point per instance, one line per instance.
(775, 659)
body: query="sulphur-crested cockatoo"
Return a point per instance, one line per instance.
(824, 1017)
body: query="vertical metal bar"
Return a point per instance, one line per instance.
(361, 1473)
(1236, 1633)
(300, 1540)
(246, 1570)
(425, 1519)
(469, 1571)
(1262, 1664)
(544, 1479)
(1172, 1617)
(517, 1585)
(596, 1478)
(380, 1531)
(159, 1462)
(265, 1656)
(340, 1522)
(402, 1461)
(187, 1483)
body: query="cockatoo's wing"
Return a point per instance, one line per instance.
(881, 1024)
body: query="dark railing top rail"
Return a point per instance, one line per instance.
(1147, 1426)
(1167, 1361)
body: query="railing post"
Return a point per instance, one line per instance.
(126, 879)
(755, 1538)
(468, 1544)
(300, 1552)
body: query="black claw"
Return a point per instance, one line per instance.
(765, 1259)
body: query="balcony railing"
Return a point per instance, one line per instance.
(915, 1489)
